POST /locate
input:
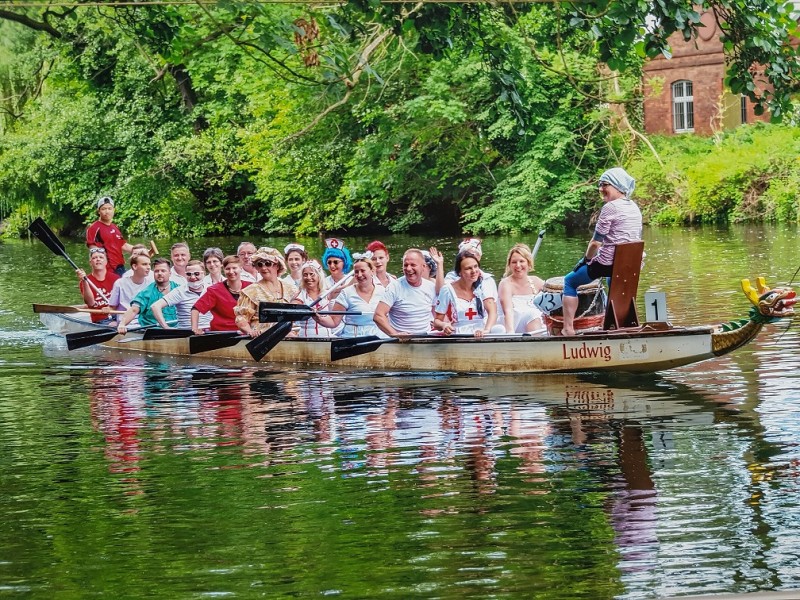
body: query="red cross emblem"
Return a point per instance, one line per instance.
(470, 313)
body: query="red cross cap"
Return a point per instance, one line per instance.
(334, 243)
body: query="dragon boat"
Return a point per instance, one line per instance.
(648, 347)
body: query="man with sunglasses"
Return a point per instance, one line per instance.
(183, 298)
(620, 221)
(103, 233)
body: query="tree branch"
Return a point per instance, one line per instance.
(30, 23)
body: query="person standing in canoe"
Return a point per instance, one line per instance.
(97, 294)
(270, 265)
(103, 233)
(620, 221)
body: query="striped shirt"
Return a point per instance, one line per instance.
(620, 221)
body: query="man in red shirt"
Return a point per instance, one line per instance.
(102, 281)
(221, 298)
(103, 233)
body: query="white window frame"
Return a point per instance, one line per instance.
(682, 106)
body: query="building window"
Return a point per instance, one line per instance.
(682, 106)
(743, 109)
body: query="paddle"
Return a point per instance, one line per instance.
(160, 333)
(347, 347)
(277, 312)
(57, 308)
(538, 243)
(261, 345)
(90, 338)
(40, 229)
(215, 340)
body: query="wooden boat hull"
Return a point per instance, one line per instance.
(644, 349)
(503, 354)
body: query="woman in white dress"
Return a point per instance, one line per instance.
(312, 285)
(462, 306)
(517, 291)
(363, 296)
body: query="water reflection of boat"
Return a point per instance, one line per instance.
(647, 348)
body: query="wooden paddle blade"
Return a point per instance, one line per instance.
(345, 348)
(64, 309)
(166, 334)
(55, 308)
(89, 338)
(214, 341)
(260, 346)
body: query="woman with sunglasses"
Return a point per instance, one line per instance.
(620, 221)
(338, 261)
(462, 306)
(270, 266)
(311, 288)
(362, 297)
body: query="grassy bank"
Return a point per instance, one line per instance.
(751, 174)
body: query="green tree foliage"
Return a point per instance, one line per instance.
(750, 174)
(246, 116)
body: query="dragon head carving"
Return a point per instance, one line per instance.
(769, 304)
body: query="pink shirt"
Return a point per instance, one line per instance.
(620, 221)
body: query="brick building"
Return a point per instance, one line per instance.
(687, 94)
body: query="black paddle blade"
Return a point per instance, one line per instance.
(89, 338)
(260, 346)
(347, 347)
(166, 334)
(40, 229)
(214, 341)
(276, 312)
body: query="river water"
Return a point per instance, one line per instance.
(133, 476)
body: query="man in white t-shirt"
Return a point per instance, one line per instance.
(126, 288)
(183, 299)
(406, 308)
(180, 255)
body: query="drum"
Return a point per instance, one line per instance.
(591, 305)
